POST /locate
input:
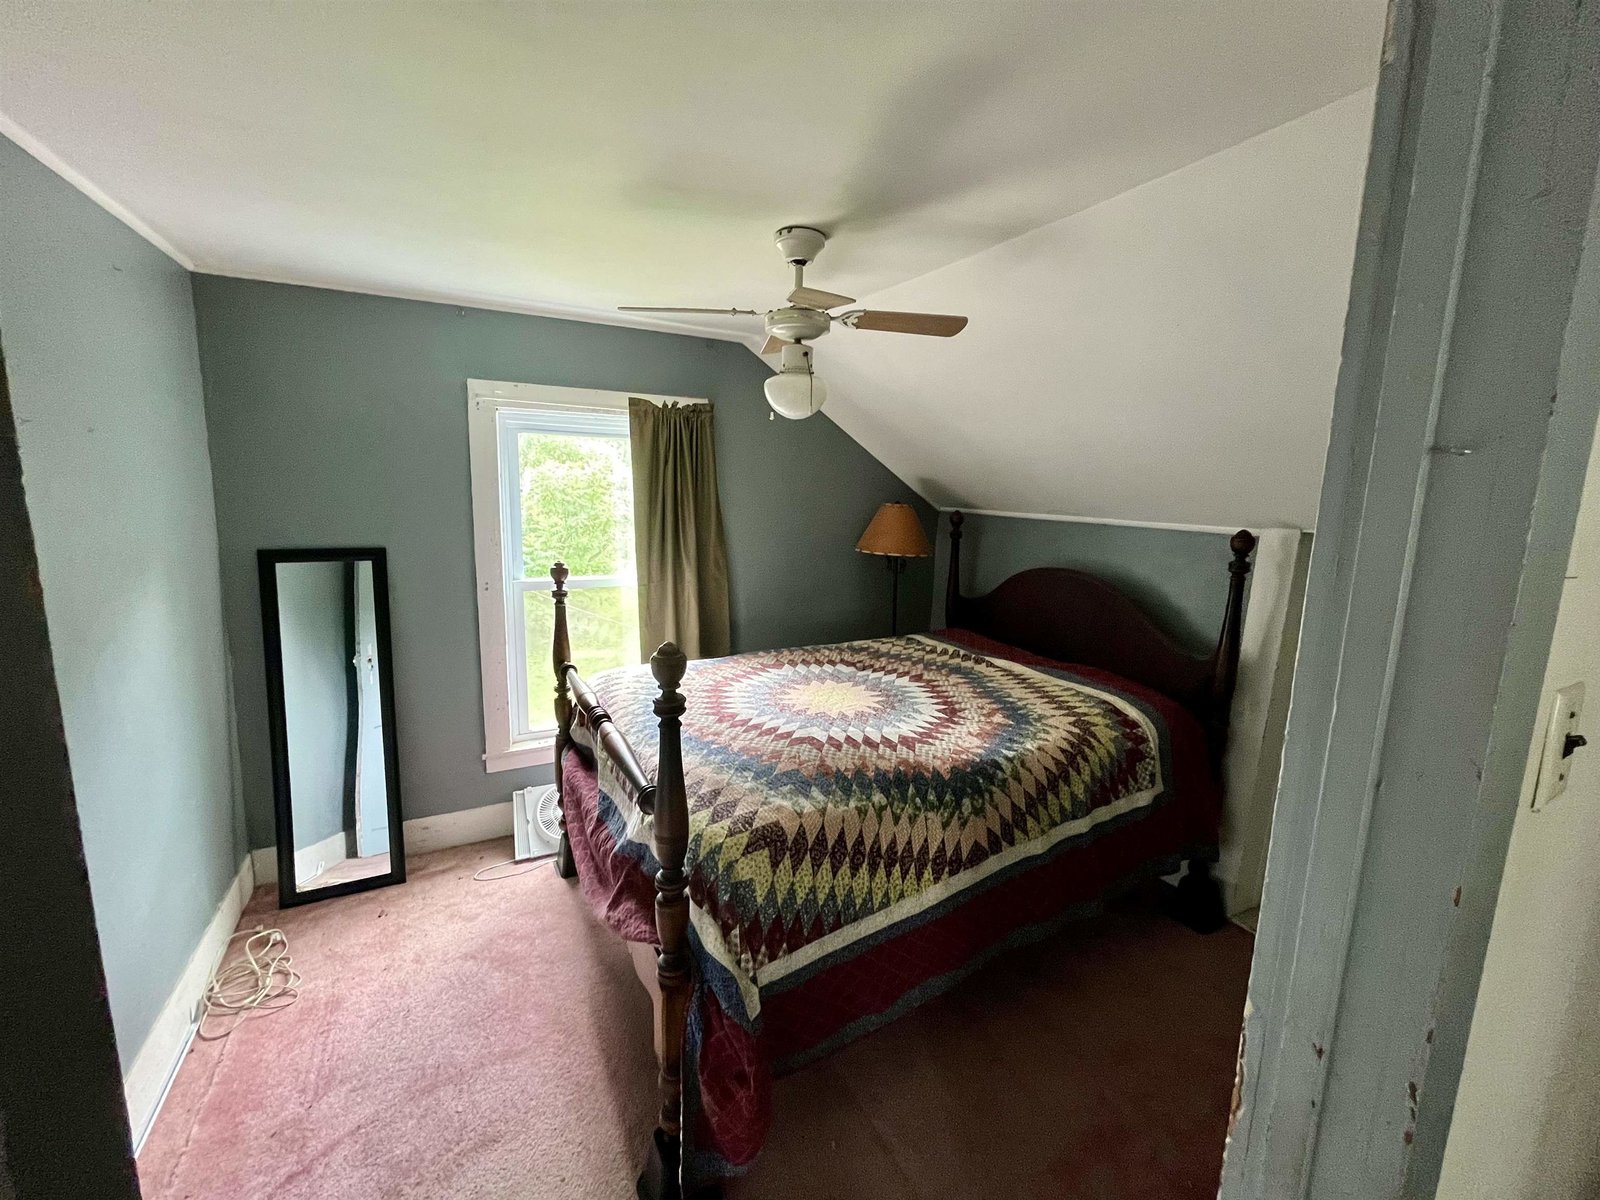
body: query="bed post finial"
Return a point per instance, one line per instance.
(952, 584)
(1225, 661)
(561, 658)
(671, 820)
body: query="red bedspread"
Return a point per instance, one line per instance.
(807, 1012)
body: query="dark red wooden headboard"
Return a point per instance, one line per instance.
(1075, 617)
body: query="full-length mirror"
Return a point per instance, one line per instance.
(330, 691)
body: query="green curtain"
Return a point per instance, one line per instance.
(677, 530)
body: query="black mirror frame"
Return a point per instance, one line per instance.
(272, 645)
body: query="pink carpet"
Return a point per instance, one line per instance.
(465, 1039)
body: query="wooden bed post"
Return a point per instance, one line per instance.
(952, 584)
(561, 656)
(1225, 660)
(1197, 899)
(671, 819)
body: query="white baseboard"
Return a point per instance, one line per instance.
(458, 828)
(315, 859)
(265, 862)
(157, 1061)
(423, 834)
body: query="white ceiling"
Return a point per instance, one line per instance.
(603, 153)
(567, 158)
(1167, 356)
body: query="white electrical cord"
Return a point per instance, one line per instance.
(264, 981)
(533, 865)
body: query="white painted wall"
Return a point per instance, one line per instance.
(1270, 637)
(1171, 353)
(1527, 1119)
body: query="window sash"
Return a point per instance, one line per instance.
(517, 638)
(576, 582)
(510, 425)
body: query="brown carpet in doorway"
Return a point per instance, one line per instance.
(465, 1039)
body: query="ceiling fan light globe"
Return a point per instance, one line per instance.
(796, 394)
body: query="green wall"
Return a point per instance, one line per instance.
(340, 419)
(98, 333)
(1181, 577)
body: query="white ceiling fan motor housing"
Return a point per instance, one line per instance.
(797, 324)
(800, 244)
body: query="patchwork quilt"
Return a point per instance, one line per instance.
(868, 821)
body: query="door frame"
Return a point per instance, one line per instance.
(1463, 418)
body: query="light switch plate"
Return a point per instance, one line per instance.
(1555, 770)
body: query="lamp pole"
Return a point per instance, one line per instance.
(896, 565)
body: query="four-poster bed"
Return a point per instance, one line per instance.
(861, 825)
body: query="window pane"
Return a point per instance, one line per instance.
(603, 624)
(577, 504)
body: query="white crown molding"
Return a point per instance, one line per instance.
(527, 308)
(1073, 520)
(563, 312)
(77, 179)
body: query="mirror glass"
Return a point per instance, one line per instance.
(336, 799)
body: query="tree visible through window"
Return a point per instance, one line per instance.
(573, 502)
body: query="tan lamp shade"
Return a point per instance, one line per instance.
(896, 531)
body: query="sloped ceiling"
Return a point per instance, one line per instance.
(1168, 355)
(566, 158)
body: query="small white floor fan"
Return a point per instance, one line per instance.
(535, 822)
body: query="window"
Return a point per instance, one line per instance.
(551, 478)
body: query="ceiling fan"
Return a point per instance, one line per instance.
(795, 391)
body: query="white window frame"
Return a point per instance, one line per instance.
(493, 406)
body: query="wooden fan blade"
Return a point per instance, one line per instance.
(931, 324)
(723, 312)
(817, 298)
(772, 345)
